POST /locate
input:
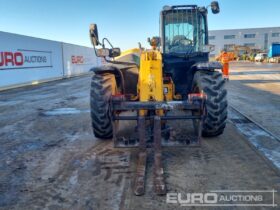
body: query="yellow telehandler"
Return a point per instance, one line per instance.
(172, 81)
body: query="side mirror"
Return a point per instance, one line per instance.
(93, 34)
(102, 52)
(215, 7)
(105, 52)
(114, 52)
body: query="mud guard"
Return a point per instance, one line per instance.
(207, 66)
(105, 69)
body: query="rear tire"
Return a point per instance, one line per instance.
(103, 86)
(213, 85)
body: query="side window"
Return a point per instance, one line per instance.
(168, 36)
(202, 31)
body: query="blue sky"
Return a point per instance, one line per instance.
(124, 22)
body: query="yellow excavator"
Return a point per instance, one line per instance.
(172, 81)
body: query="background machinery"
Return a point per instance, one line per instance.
(173, 81)
(240, 52)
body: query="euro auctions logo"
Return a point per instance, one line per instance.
(77, 59)
(252, 198)
(22, 58)
(192, 199)
(12, 58)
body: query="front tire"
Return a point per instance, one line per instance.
(213, 85)
(103, 86)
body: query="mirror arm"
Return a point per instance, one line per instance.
(103, 46)
(107, 40)
(110, 61)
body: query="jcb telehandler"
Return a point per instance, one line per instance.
(173, 81)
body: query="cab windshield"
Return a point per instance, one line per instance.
(184, 31)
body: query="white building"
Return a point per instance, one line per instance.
(257, 38)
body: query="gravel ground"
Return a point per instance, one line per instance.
(51, 160)
(254, 89)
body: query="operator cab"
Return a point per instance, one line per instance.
(183, 29)
(184, 42)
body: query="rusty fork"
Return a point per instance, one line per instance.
(159, 183)
(139, 187)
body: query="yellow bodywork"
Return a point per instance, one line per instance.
(150, 81)
(168, 90)
(130, 51)
(152, 86)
